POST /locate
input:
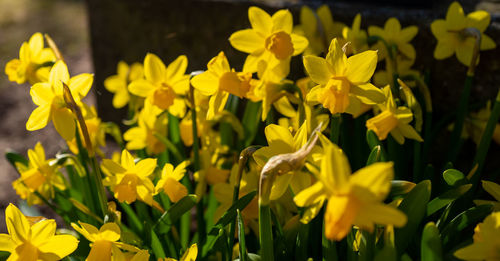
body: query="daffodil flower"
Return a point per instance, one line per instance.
(394, 120)
(494, 190)
(163, 86)
(219, 81)
(41, 175)
(343, 82)
(104, 241)
(31, 242)
(118, 84)
(130, 181)
(270, 40)
(393, 35)
(48, 96)
(356, 36)
(31, 63)
(451, 37)
(475, 123)
(486, 244)
(169, 181)
(355, 199)
(189, 255)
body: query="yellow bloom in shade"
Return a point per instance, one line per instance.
(281, 141)
(118, 83)
(494, 190)
(130, 181)
(51, 105)
(31, 65)
(151, 121)
(403, 70)
(189, 255)
(219, 81)
(343, 82)
(41, 175)
(169, 181)
(356, 36)
(355, 199)
(104, 241)
(270, 42)
(486, 244)
(163, 86)
(475, 123)
(28, 241)
(394, 120)
(393, 35)
(451, 36)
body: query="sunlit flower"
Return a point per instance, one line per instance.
(394, 120)
(486, 244)
(33, 64)
(163, 86)
(118, 83)
(494, 190)
(355, 199)
(51, 105)
(189, 255)
(355, 36)
(41, 175)
(451, 36)
(104, 241)
(343, 83)
(393, 35)
(28, 241)
(169, 181)
(270, 42)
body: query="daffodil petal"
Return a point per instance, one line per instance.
(42, 230)
(280, 185)
(207, 83)
(17, 224)
(154, 68)
(336, 58)
(368, 93)
(376, 178)
(260, 20)
(455, 18)
(317, 69)
(6, 243)
(58, 247)
(479, 19)
(145, 167)
(141, 87)
(177, 68)
(38, 118)
(80, 85)
(282, 21)
(443, 50)
(487, 43)
(247, 41)
(64, 122)
(59, 73)
(275, 133)
(41, 93)
(300, 43)
(384, 215)
(360, 67)
(311, 195)
(408, 33)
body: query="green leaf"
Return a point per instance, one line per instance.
(13, 157)
(446, 198)
(374, 155)
(451, 232)
(251, 120)
(372, 139)
(400, 187)
(388, 253)
(414, 205)
(241, 237)
(113, 129)
(431, 243)
(454, 177)
(169, 217)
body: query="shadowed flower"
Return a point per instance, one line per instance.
(169, 181)
(118, 83)
(486, 244)
(393, 35)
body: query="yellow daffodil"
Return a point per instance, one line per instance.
(319, 29)
(95, 129)
(211, 171)
(118, 83)
(452, 38)
(486, 244)
(219, 81)
(343, 83)
(129, 180)
(270, 42)
(393, 35)
(394, 120)
(169, 181)
(104, 241)
(28, 241)
(151, 121)
(494, 190)
(356, 36)
(141, 255)
(41, 175)
(281, 141)
(48, 96)
(355, 199)
(189, 255)
(475, 123)
(33, 64)
(163, 86)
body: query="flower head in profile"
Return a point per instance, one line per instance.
(356, 36)
(355, 199)
(170, 181)
(48, 96)
(163, 86)
(343, 83)
(118, 84)
(189, 255)
(270, 42)
(452, 38)
(219, 81)
(41, 175)
(394, 35)
(32, 65)
(394, 120)
(486, 244)
(104, 241)
(32, 241)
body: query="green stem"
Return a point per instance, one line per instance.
(335, 121)
(460, 118)
(265, 233)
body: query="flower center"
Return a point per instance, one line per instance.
(336, 95)
(126, 189)
(382, 124)
(237, 84)
(163, 97)
(280, 44)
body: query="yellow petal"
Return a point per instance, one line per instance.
(120, 99)
(145, 167)
(6, 243)
(339, 217)
(17, 224)
(58, 247)
(36, 42)
(260, 21)
(247, 41)
(190, 254)
(392, 27)
(112, 166)
(376, 178)
(42, 231)
(376, 31)
(141, 87)
(279, 136)
(383, 214)
(360, 67)
(41, 93)
(443, 50)
(136, 138)
(476, 251)
(207, 83)
(487, 43)
(404, 114)
(100, 251)
(408, 33)
(280, 186)
(398, 136)
(300, 43)
(80, 84)
(407, 50)
(59, 73)
(176, 69)
(311, 195)
(25, 53)
(174, 189)
(110, 232)
(438, 28)
(216, 104)
(38, 118)
(64, 122)
(317, 69)
(282, 21)
(252, 61)
(368, 93)
(336, 58)
(154, 68)
(455, 18)
(492, 188)
(180, 170)
(335, 169)
(478, 19)
(127, 161)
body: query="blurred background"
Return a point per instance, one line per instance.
(94, 35)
